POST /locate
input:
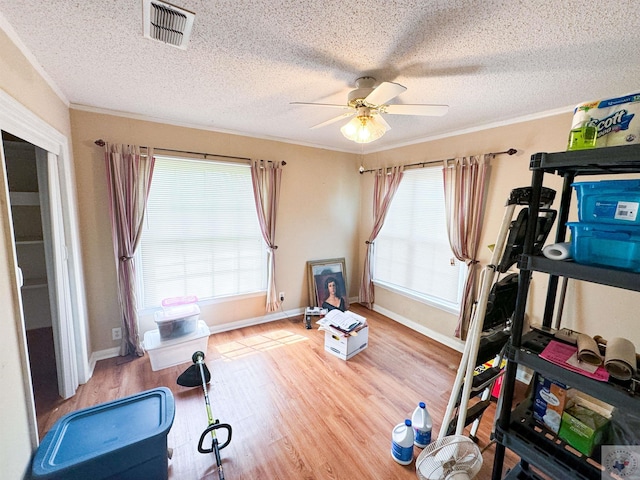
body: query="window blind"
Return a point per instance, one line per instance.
(201, 235)
(412, 252)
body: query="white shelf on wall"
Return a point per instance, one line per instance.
(24, 199)
(31, 283)
(30, 241)
(30, 249)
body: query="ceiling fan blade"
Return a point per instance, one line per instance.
(426, 110)
(333, 120)
(330, 105)
(384, 92)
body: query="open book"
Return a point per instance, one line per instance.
(343, 321)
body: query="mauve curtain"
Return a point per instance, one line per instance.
(384, 188)
(464, 187)
(129, 179)
(266, 177)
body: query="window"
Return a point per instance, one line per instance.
(201, 235)
(412, 254)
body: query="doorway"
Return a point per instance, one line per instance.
(28, 194)
(64, 281)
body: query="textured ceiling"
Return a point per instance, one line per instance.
(490, 61)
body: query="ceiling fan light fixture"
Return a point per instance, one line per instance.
(366, 104)
(363, 129)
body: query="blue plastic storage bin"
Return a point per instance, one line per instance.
(609, 201)
(607, 245)
(124, 439)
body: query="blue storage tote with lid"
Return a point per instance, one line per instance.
(607, 245)
(123, 439)
(614, 202)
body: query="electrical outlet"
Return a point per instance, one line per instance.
(116, 333)
(281, 296)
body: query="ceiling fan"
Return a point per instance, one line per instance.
(367, 104)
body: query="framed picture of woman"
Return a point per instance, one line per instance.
(328, 284)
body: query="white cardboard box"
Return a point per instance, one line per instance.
(345, 347)
(167, 353)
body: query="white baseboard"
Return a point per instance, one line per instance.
(101, 355)
(224, 327)
(523, 374)
(271, 317)
(453, 343)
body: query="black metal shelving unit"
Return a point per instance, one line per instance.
(515, 427)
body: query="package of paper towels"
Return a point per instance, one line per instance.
(617, 119)
(558, 251)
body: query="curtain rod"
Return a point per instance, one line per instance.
(102, 143)
(511, 151)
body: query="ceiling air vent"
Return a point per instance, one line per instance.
(167, 23)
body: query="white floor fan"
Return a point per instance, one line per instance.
(455, 457)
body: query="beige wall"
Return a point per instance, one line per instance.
(24, 84)
(317, 218)
(597, 310)
(20, 80)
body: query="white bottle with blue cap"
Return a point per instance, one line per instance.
(402, 443)
(421, 421)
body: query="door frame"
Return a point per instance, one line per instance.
(72, 332)
(57, 272)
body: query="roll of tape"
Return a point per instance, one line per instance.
(557, 251)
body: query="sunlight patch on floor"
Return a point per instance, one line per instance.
(258, 343)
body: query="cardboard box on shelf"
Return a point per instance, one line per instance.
(548, 402)
(585, 422)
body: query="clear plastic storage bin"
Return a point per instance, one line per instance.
(167, 353)
(177, 321)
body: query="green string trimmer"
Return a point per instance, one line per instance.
(198, 374)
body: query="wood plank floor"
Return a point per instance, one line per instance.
(297, 412)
